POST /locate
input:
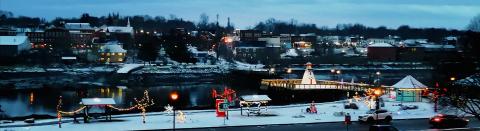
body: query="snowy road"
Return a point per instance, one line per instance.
(411, 124)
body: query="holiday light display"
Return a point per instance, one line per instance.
(141, 104)
(181, 117)
(168, 109)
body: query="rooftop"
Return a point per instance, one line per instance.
(380, 45)
(12, 40)
(78, 26)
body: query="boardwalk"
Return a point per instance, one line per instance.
(295, 84)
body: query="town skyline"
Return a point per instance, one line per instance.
(423, 14)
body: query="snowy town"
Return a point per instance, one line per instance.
(240, 65)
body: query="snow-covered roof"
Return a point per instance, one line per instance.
(451, 38)
(98, 101)
(255, 98)
(78, 26)
(380, 45)
(471, 81)
(120, 29)
(112, 46)
(438, 46)
(12, 40)
(409, 83)
(290, 52)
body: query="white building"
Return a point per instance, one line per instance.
(78, 26)
(380, 40)
(271, 41)
(13, 45)
(112, 52)
(120, 29)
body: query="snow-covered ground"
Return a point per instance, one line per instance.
(128, 67)
(206, 118)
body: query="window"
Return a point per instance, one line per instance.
(120, 59)
(108, 54)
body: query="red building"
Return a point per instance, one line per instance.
(382, 51)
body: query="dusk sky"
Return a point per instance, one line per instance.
(246, 13)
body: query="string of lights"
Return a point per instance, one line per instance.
(123, 109)
(72, 112)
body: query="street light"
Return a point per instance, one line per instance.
(289, 71)
(272, 70)
(452, 78)
(338, 72)
(377, 93)
(174, 96)
(378, 77)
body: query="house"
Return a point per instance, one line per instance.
(112, 52)
(81, 27)
(381, 51)
(46, 39)
(304, 41)
(410, 52)
(81, 34)
(409, 89)
(380, 40)
(250, 35)
(13, 45)
(201, 56)
(251, 52)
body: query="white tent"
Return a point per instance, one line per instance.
(255, 98)
(409, 83)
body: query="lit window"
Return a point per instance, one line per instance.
(102, 59)
(103, 53)
(120, 59)
(108, 54)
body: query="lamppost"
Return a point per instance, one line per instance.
(377, 93)
(271, 72)
(289, 71)
(378, 77)
(338, 72)
(332, 71)
(174, 96)
(452, 78)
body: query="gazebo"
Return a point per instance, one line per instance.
(254, 104)
(409, 89)
(99, 102)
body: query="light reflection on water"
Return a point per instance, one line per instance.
(22, 103)
(191, 94)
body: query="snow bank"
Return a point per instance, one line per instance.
(128, 67)
(274, 115)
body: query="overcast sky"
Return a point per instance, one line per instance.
(244, 13)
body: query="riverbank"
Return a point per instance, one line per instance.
(327, 112)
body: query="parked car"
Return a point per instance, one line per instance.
(351, 106)
(448, 121)
(374, 115)
(409, 107)
(382, 128)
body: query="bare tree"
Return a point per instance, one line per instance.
(463, 95)
(474, 24)
(203, 23)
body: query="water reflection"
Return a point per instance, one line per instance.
(192, 94)
(44, 101)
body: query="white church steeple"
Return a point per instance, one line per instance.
(128, 22)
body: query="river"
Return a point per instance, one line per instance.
(194, 93)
